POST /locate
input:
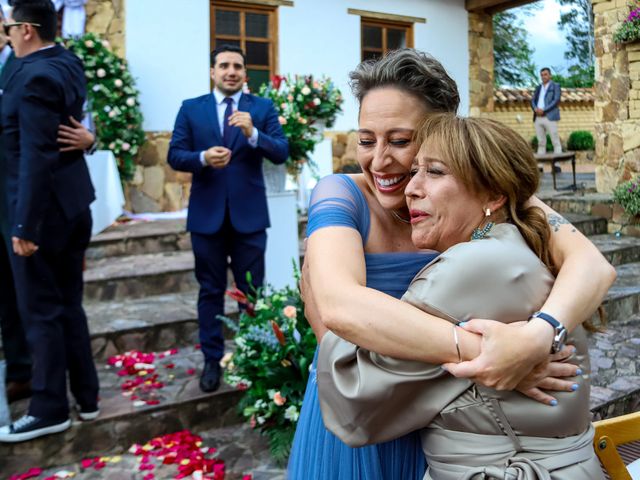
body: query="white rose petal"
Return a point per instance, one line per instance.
(126, 146)
(118, 83)
(131, 101)
(101, 73)
(305, 90)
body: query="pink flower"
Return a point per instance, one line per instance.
(279, 400)
(282, 120)
(290, 311)
(126, 146)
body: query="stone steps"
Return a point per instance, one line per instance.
(148, 324)
(137, 276)
(623, 299)
(615, 379)
(140, 238)
(242, 449)
(618, 250)
(587, 224)
(597, 204)
(121, 423)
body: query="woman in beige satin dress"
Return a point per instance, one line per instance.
(468, 199)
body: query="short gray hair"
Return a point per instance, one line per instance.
(412, 71)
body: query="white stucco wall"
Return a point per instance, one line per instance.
(337, 52)
(168, 47)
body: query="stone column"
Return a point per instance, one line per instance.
(480, 63)
(617, 98)
(106, 18)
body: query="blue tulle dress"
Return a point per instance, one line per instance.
(317, 454)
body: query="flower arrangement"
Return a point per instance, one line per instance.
(628, 196)
(302, 103)
(274, 351)
(113, 100)
(629, 31)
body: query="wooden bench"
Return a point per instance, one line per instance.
(559, 157)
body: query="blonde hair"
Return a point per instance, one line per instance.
(489, 157)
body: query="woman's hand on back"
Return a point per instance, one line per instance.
(509, 352)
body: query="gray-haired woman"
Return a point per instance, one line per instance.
(360, 259)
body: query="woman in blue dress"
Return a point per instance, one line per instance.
(360, 259)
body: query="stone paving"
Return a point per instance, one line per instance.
(243, 450)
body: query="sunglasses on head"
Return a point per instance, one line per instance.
(7, 26)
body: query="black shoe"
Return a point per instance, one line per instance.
(210, 378)
(28, 428)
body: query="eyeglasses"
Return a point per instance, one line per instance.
(7, 26)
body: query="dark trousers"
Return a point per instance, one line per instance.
(14, 341)
(211, 252)
(49, 291)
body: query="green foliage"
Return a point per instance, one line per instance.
(274, 351)
(113, 99)
(534, 143)
(628, 196)
(577, 77)
(301, 103)
(580, 140)
(629, 31)
(577, 23)
(512, 53)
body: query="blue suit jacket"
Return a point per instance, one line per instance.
(240, 185)
(45, 187)
(551, 101)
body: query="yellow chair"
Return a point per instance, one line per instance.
(612, 433)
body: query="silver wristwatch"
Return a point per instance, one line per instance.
(559, 332)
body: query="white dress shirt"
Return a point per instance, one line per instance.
(221, 106)
(543, 92)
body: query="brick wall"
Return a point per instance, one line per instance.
(520, 118)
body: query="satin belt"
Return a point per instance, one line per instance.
(482, 455)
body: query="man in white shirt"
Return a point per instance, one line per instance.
(546, 114)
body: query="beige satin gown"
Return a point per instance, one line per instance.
(468, 431)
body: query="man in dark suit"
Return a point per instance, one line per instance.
(546, 114)
(14, 342)
(48, 193)
(221, 138)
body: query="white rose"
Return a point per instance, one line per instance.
(106, 44)
(305, 90)
(101, 73)
(317, 101)
(118, 83)
(126, 146)
(112, 146)
(131, 101)
(89, 44)
(112, 114)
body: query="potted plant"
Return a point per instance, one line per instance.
(304, 107)
(629, 30)
(627, 195)
(274, 353)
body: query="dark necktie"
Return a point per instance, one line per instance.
(226, 129)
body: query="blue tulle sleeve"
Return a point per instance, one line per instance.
(336, 201)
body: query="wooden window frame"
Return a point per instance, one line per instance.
(243, 8)
(384, 25)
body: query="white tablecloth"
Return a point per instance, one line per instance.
(109, 201)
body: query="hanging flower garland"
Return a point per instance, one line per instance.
(113, 100)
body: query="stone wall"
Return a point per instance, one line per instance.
(156, 187)
(617, 103)
(106, 18)
(480, 63)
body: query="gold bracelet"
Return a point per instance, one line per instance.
(455, 338)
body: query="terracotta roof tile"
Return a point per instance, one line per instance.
(515, 95)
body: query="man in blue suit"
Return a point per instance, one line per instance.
(49, 192)
(546, 114)
(222, 138)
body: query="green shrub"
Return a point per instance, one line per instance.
(628, 196)
(580, 140)
(534, 143)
